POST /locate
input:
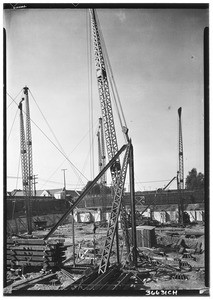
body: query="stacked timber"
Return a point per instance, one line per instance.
(145, 236)
(35, 253)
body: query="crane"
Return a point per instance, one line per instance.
(118, 174)
(26, 157)
(180, 173)
(181, 169)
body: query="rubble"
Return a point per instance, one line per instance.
(174, 260)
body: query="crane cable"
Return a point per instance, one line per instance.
(17, 178)
(12, 125)
(48, 180)
(15, 114)
(74, 167)
(13, 98)
(84, 165)
(61, 149)
(47, 122)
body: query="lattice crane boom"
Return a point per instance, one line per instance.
(181, 168)
(116, 205)
(25, 169)
(101, 151)
(180, 173)
(29, 143)
(118, 175)
(105, 99)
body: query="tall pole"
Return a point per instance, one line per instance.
(64, 170)
(181, 169)
(25, 170)
(73, 238)
(73, 228)
(29, 157)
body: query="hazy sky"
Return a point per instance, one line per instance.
(157, 61)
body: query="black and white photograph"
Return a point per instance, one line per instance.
(106, 149)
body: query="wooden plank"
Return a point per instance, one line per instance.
(54, 242)
(34, 258)
(35, 263)
(23, 252)
(26, 285)
(23, 247)
(27, 241)
(34, 252)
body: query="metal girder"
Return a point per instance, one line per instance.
(120, 281)
(102, 279)
(114, 214)
(85, 192)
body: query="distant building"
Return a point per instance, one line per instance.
(53, 193)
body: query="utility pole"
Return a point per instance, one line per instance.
(64, 180)
(73, 228)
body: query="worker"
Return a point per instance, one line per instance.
(94, 227)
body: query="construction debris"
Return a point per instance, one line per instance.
(35, 253)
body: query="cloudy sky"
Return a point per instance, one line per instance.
(157, 61)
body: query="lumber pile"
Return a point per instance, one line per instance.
(35, 253)
(145, 236)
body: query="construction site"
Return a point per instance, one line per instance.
(103, 239)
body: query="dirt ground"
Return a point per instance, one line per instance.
(88, 250)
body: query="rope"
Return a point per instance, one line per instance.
(12, 125)
(13, 98)
(17, 177)
(65, 159)
(47, 122)
(89, 152)
(63, 153)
